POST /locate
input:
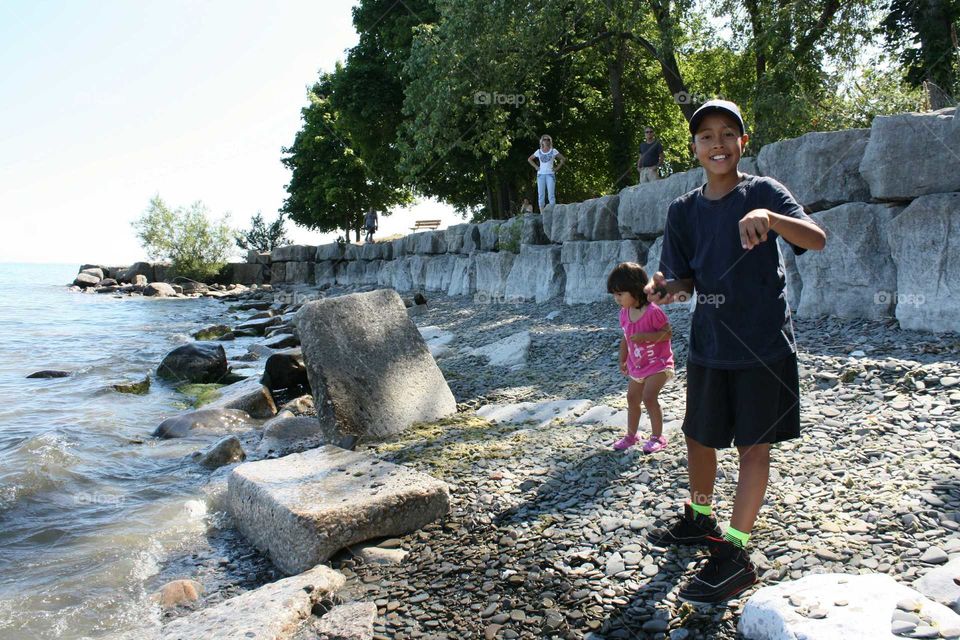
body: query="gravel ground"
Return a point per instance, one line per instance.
(546, 533)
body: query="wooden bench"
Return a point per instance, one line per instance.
(425, 224)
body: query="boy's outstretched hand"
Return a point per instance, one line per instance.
(754, 228)
(656, 290)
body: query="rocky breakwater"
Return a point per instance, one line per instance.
(891, 250)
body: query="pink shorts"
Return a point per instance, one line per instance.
(669, 373)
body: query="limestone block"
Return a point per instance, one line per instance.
(846, 278)
(821, 169)
(925, 244)
(369, 368)
(536, 274)
(303, 508)
(912, 154)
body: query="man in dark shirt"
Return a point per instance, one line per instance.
(651, 157)
(742, 382)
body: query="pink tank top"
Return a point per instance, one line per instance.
(646, 358)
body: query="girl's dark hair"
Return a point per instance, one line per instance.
(628, 277)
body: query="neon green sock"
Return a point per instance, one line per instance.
(702, 509)
(737, 538)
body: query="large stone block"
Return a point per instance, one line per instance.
(439, 273)
(248, 273)
(912, 154)
(278, 272)
(271, 612)
(325, 272)
(492, 271)
(925, 244)
(399, 247)
(331, 251)
(489, 235)
(303, 508)
(561, 222)
(471, 239)
(299, 273)
(821, 169)
(294, 253)
(249, 395)
(598, 219)
(463, 279)
(431, 242)
(141, 269)
(791, 274)
(536, 274)
(588, 264)
(354, 273)
(369, 368)
(642, 211)
(453, 237)
(376, 251)
(846, 278)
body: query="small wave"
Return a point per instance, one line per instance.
(40, 464)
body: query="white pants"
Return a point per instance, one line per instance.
(649, 174)
(546, 187)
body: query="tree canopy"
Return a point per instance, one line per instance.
(447, 98)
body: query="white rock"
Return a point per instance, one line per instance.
(536, 275)
(539, 413)
(871, 598)
(303, 508)
(437, 340)
(642, 211)
(507, 352)
(588, 264)
(273, 611)
(938, 584)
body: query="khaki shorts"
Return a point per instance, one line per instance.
(669, 373)
(649, 174)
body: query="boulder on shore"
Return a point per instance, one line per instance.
(248, 396)
(160, 290)
(225, 451)
(285, 370)
(368, 366)
(303, 508)
(194, 362)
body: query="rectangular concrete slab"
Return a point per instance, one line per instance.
(303, 508)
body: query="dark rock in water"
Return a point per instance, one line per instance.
(249, 396)
(108, 289)
(144, 269)
(195, 362)
(136, 388)
(49, 373)
(108, 282)
(190, 286)
(419, 298)
(255, 305)
(258, 326)
(282, 341)
(285, 370)
(225, 451)
(212, 333)
(230, 335)
(286, 434)
(204, 420)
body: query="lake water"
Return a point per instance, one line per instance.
(91, 508)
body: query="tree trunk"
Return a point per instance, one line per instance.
(667, 56)
(621, 144)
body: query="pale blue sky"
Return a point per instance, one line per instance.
(103, 104)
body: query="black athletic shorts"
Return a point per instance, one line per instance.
(743, 406)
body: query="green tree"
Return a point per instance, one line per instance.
(196, 246)
(923, 35)
(331, 186)
(264, 237)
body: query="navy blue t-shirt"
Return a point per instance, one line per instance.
(742, 318)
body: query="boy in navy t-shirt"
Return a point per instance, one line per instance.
(742, 381)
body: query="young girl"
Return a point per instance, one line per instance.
(646, 356)
(546, 176)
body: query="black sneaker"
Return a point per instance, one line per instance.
(727, 572)
(691, 528)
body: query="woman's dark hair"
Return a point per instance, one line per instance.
(628, 277)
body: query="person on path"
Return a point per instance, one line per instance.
(651, 157)
(646, 357)
(542, 160)
(370, 224)
(742, 381)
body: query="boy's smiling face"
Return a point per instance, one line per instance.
(718, 144)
